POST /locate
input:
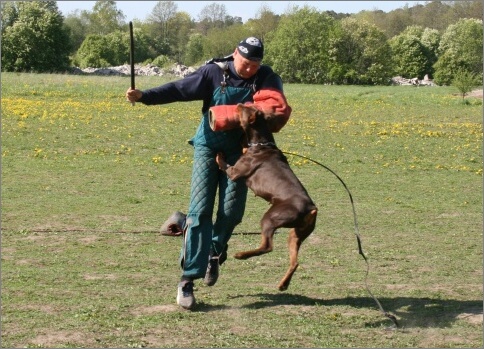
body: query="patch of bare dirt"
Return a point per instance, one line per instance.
(89, 239)
(155, 309)
(472, 318)
(472, 94)
(58, 338)
(475, 93)
(45, 308)
(99, 277)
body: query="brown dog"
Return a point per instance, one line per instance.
(269, 176)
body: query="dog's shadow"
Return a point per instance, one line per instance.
(409, 311)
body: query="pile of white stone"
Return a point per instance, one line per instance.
(177, 70)
(398, 80)
(181, 71)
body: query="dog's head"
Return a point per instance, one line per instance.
(254, 123)
(249, 115)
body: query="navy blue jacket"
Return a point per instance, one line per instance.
(201, 84)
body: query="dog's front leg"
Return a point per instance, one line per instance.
(238, 170)
(222, 164)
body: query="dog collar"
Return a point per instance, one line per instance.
(265, 143)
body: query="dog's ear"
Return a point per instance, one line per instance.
(247, 114)
(240, 108)
(244, 115)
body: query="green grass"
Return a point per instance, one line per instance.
(88, 179)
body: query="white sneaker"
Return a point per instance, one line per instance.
(185, 297)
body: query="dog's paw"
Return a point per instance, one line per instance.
(220, 160)
(283, 287)
(240, 255)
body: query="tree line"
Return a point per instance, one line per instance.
(440, 39)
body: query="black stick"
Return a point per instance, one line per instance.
(131, 55)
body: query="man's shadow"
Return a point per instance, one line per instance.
(409, 311)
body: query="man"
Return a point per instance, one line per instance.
(220, 84)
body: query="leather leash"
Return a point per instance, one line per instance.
(357, 233)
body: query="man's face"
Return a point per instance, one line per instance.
(244, 67)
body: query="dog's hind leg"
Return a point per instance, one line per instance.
(268, 229)
(294, 241)
(265, 247)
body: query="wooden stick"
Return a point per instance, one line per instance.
(131, 56)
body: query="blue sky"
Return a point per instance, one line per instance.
(245, 9)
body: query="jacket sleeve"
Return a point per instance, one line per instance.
(273, 104)
(223, 117)
(269, 99)
(195, 86)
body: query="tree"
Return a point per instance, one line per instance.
(9, 14)
(181, 26)
(93, 52)
(409, 56)
(222, 41)
(431, 39)
(414, 51)
(77, 24)
(105, 18)
(298, 48)
(159, 21)
(117, 44)
(397, 20)
(467, 9)
(112, 49)
(212, 16)
(465, 81)
(232, 20)
(194, 49)
(35, 39)
(143, 43)
(460, 49)
(360, 54)
(376, 17)
(265, 22)
(435, 14)
(169, 29)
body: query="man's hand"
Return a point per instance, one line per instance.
(133, 95)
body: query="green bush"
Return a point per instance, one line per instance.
(162, 61)
(93, 52)
(459, 49)
(465, 82)
(33, 37)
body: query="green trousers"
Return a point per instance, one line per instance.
(204, 233)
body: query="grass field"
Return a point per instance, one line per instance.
(88, 179)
